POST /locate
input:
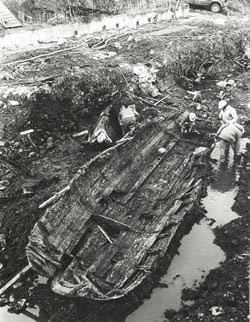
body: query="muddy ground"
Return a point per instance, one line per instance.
(59, 95)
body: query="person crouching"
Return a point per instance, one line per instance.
(127, 118)
(187, 122)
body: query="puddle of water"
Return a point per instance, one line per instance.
(197, 254)
(222, 192)
(187, 270)
(219, 205)
(29, 315)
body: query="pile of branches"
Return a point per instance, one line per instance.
(217, 48)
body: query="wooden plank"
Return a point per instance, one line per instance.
(70, 219)
(105, 234)
(15, 278)
(132, 250)
(148, 172)
(124, 240)
(187, 185)
(7, 19)
(90, 247)
(138, 162)
(149, 260)
(122, 268)
(169, 165)
(163, 243)
(113, 223)
(160, 245)
(137, 177)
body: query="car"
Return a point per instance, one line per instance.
(214, 5)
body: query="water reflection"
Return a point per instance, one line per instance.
(221, 194)
(187, 270)
(28, 315)
(226, 177)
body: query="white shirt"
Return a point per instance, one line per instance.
(231, 132)
(228, 115)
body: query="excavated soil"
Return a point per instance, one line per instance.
(68, 92)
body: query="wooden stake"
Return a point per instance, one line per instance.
(31, 141)
(51, 199)
(27, 132)
(163, 99)
(15, 278)
(105, 234)
(100, 155)
(83, 133)
(125, 79)
(113, 223)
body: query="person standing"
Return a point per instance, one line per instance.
(227, 114)
(229, 135)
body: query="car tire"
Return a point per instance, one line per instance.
(215, 7)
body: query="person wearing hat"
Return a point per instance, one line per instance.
(229, 135)
(187, 122)
(227, 114)
(127, 118)
(227, 92)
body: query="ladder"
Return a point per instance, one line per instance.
(7, 19)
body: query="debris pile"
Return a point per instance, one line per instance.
(147, 77)
(243, 61)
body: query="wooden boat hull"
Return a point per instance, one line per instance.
(101, 238)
